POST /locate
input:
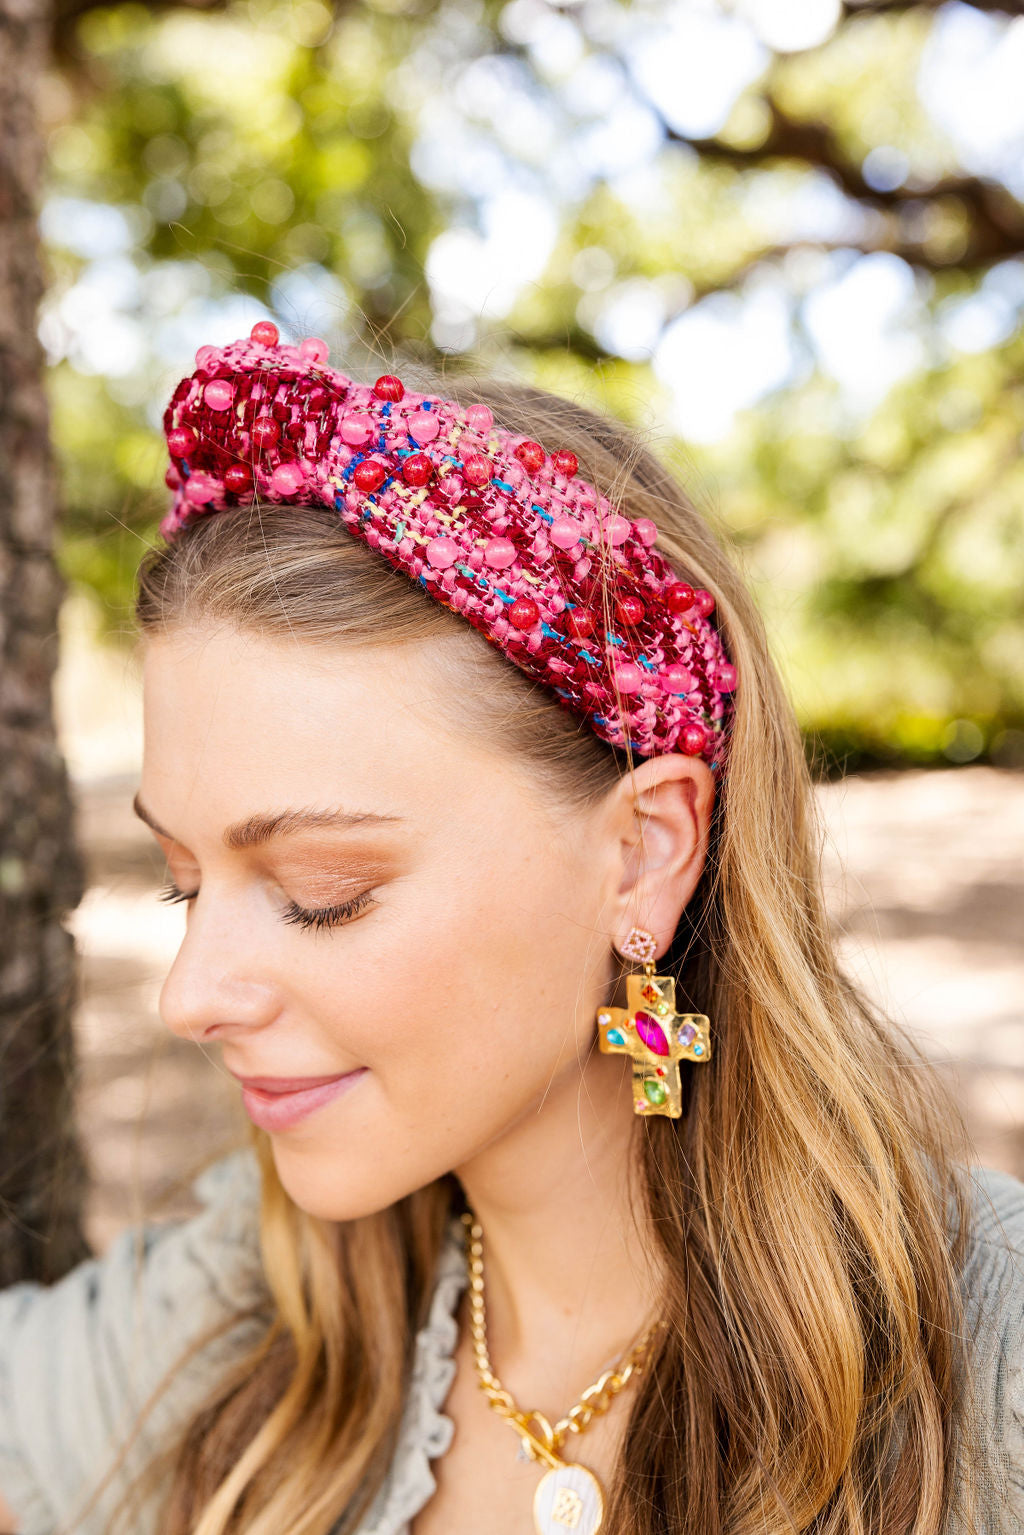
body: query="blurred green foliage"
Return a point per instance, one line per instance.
(268, 157)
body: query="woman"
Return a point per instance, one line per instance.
(497, 838)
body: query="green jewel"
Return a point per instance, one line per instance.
(655, 1092)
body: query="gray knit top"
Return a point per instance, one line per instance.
(78, 1358)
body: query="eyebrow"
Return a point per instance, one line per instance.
(264, 826)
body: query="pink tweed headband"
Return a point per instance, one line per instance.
(488, 522)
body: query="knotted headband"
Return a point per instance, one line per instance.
(488, 522)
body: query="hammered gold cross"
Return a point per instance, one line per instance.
(657, 1037)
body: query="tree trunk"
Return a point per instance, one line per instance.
(42, 1173)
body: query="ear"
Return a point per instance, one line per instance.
(660, 820)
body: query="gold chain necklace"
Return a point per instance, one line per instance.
(569, 1496)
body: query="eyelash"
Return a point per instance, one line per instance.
(320, 918)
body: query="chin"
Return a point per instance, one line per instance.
(335, 1187)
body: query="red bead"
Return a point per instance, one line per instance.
(704, 602)
(566, 463)
(580, 622)
(477, 470)
(238, 479)
(388, 387)
(370, 474)
(679, 598)
(265, 331)
(523, 613)
(172, 479)
(265, 432)
(182, 441)
(531, 455)
(629, 610)
(417, 469)
(692, 738)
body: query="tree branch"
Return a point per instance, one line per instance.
(994, 216)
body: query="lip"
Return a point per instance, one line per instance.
(286, 1084)
(280, 1110)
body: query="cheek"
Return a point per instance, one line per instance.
(484, 988)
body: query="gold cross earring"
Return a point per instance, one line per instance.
(651, 1031)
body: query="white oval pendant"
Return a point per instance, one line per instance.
(569, 1498)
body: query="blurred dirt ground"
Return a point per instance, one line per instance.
(923, 871)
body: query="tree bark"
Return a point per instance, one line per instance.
(42, 1171)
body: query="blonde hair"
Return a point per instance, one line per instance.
(812, 1203)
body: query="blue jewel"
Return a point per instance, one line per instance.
(615, 1037)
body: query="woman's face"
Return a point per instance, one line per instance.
(461, 982)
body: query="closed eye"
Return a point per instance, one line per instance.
(317, 919)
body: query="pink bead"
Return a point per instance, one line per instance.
(200, 488)
(442, 552)
(204, 355)
(628, 676)
(479, 419)
(313, 349)
(692, 738)
(423, 426)
(499, 552)
(725, 678)
(286, 479)
(565, 533)
(616, 530)
(703, 601)
(676, 679)
(266, 332)
(357, 429)
(218, 394)
(646, 531)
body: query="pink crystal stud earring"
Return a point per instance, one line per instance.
(651, 1032)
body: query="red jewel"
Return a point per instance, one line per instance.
(629, 610)
(523, 613)
(679, 598)
(703, 601)
(417, 469)
(477, 469)
(580, 623)
(370, 474)
(388, 387)
(238, 479)
(182, 441)
(265, 432)
(692, 739)
(531, 455)
(266, 332)
(566, 463)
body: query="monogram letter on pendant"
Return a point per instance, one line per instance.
(568, 1498)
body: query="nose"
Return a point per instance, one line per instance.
(218, 984)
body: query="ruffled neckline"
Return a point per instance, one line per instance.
(426, 1431)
